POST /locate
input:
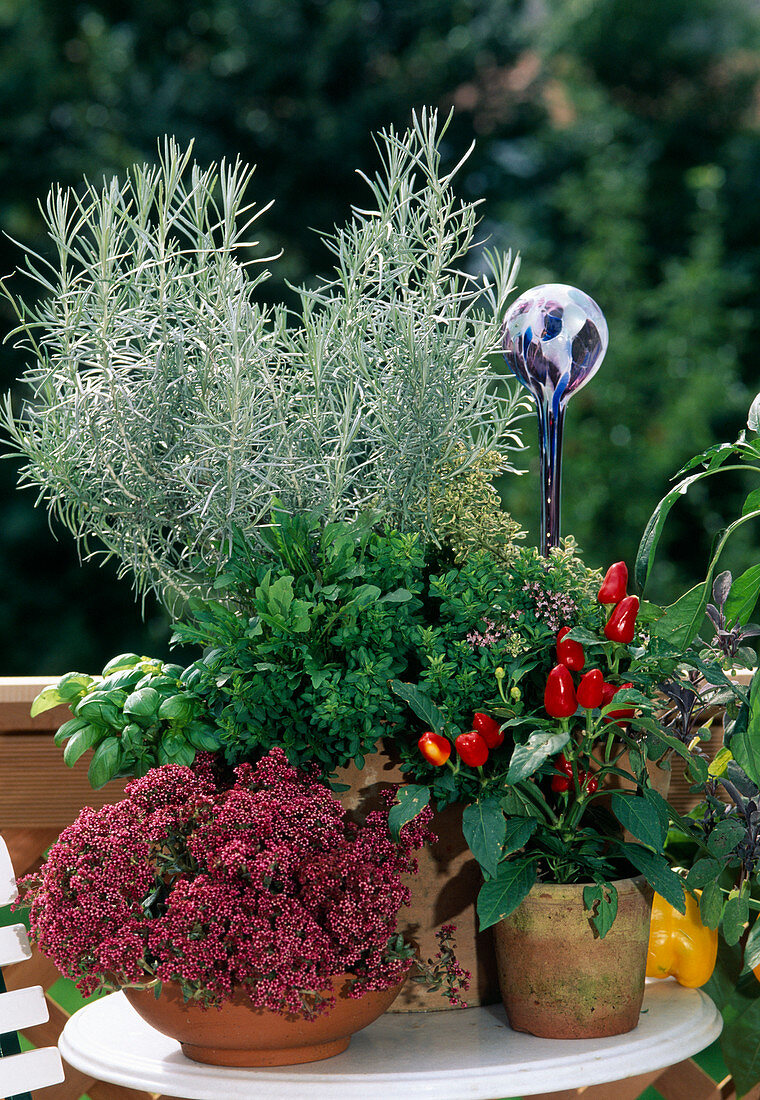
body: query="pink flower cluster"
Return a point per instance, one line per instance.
(554, 608)
(257, 884)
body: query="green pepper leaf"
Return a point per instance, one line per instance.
(501, 895)
(411, 800)
(640, 818)
(421, 704)
(484, 827)
(658, 873)
(601, 903)
(519, 831)
(528, 758)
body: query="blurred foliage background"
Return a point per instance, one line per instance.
(618, 150)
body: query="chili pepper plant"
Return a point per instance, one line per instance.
(559, 759)
(224, 882)
(720, 852)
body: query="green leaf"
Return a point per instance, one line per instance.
(601, 903)
(143, 703)
(73, 685)
(122, 662)
(48, 698)
(176, 707)
(702, 872)
(528, 758)
(752, 948)
(519, 831)
(640, 818)
(203, 739)
(735, 917)
(740, 1038)
(410, 801)
(753, 417)
(680, 623)
(399, 595)
(711, 904)
(83, 740)
(485, 827)
(99, 712)
(68, 729)
(658, 873)
(718, 765)
(649, 540)
(744, 591)
(501, 895)
(105, 762)
(421, 704)
(725, 836)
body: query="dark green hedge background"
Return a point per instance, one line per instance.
(618, 150)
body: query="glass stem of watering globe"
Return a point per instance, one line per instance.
(550, 428)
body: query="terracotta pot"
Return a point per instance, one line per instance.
(443, 892)
(558, 979)
(238, 1034)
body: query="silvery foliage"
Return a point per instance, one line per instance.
(170, 408)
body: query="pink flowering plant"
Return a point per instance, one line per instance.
(255, 882)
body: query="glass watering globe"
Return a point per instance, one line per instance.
(554, 338)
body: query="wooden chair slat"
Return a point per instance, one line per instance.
(33, 1069)
(22, 1008)
(14, 945)
(8, 891)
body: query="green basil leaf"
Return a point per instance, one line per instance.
(81, 741)
(105, 762)
(68, 729)
(143, 703)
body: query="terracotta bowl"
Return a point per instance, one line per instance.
(238, 1034)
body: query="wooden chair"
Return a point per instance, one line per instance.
(20, 1008)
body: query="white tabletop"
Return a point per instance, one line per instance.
(470, 1053)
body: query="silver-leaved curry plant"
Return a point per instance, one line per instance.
(170, 408)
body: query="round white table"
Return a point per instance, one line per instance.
(469, 1053)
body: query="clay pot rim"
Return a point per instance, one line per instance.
(557, 892)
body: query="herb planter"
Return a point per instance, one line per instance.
(238, 1034)
(558, 979)
(444, 890)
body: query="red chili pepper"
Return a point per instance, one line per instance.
(592, 784)
(614, 584)
(621, 625)
(624, 712)
(570, 653)
(488, 729)
(559, 693)
(564, 765)
(472, 749)
(561, 783)
(434, 748)
(608, 692)
(590, 691)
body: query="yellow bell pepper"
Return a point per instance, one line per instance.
(680, 945)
